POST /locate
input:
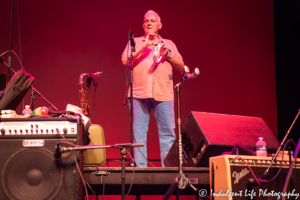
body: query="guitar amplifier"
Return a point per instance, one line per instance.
(28, 167)
(230, 178)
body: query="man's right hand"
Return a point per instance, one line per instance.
(149, 39)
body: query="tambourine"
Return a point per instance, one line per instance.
(157, 56)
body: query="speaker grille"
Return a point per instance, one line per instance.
(34, 173)
(31, 174)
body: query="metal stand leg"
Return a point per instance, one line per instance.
(123, 154)
(138, 197)
(181, 181)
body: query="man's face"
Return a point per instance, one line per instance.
(151, 24)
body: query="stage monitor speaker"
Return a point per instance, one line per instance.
(208, 134)
(28, 167)
(230, 174)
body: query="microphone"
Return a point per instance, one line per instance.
(132, 43)
(187, 75)
(194, 74)
(184, 73)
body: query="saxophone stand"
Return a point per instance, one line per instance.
(181, 181)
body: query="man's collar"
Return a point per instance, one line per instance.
(155, 43)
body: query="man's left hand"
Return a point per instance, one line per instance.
(164, 51)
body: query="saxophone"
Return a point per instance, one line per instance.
(82, 94)
(95, 157)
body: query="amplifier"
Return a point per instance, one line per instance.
(44, 127)
(28, 167)
(230, 178)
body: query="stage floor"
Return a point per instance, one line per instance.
(146, 181)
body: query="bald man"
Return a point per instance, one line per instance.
(153, 87)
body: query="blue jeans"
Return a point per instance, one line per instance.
(165, 120)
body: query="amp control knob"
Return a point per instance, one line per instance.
(235, 161)
(258, 162)
(287, 163)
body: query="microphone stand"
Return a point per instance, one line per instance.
(281, 144)
(122, 147)
(181, 181)
(10, 40)
(292, 185)
(33, 92)
(131, 94)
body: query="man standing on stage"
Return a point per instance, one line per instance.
(153, 87)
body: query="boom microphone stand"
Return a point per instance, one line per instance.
(130, 76)
(181, 181)
(122, 147)
(33, 92)
(282, 143)
(10, 40)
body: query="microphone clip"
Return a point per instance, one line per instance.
(57, 153)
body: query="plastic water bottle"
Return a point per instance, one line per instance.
(261, 148)
(26, 111)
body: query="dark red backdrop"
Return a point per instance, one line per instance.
(231, 42)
